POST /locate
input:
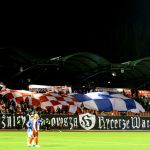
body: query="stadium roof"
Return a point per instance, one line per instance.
(121, 34)
(84, 68)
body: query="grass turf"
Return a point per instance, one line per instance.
(78, 141)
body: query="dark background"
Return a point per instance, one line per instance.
(116, 30)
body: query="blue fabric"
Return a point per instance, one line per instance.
(130, 104)
(102, 100)
(81, 97)
(104, 105)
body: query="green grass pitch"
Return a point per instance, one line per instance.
(78, 141)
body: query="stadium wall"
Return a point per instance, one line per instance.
(82, 122)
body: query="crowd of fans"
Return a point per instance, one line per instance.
(10, 107)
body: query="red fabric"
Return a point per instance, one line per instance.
(27, 99)
(70, 103)
(62, 100)
(19, 99)
(9, 96)
(43, 99)
(35, 102)
(55, 103)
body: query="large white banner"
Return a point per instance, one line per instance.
(41, 88)
(64, 89)
(45, 88)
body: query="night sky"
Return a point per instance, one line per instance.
(118, 31)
